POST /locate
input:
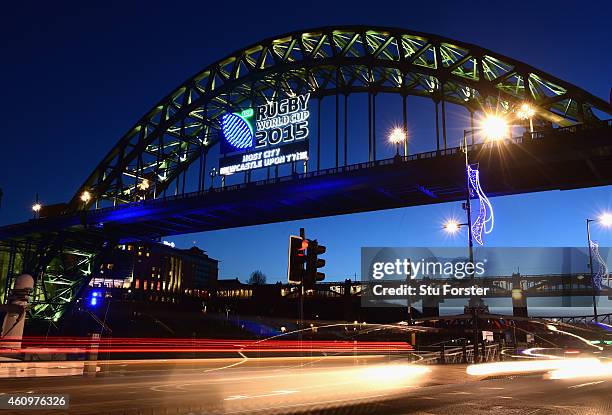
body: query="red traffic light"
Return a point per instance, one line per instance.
(302, 250)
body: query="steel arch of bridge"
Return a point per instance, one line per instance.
(183, 126)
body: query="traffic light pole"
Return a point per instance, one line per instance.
(301, 294)
(302, 270)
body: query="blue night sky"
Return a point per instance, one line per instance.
(76, 77)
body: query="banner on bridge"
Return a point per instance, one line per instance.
(268, 135)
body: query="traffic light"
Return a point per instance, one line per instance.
(297, 259)
(313, 262)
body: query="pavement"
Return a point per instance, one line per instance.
(333, 384)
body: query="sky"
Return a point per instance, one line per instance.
(77, 75)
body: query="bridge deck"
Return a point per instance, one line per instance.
(558, 159)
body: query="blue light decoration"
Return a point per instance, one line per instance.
(485, 220)
(237, 130)
(93, 300)
(602, 269)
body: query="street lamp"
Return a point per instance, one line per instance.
(452, 226)
(397, 137)
(36, 207)
(85, 196)
(144, 184)
(605, 220)
(526, 112)
(495, 127)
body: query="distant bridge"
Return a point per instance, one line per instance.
(529, 286)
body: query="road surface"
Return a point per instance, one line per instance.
(364, 384)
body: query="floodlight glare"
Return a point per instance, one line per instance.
(495, 127)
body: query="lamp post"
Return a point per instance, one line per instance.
(494, 128)
(85, 198)
(36, 207)
(605, 220)
(397, 137)
(213, 173)
(452, 227)
(468, 205)
(526, 112)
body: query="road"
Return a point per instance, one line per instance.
(363, 384)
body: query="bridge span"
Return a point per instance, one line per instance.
(556, 159)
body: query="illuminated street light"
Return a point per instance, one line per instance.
(526, 112)
(144, 184)
(85, 196)
(397, 137)
(605, 219)
(495, 127)
(452, 226)
(36, 207)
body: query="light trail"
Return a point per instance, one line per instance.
(531, 366)
(582, 339)
(150, 345)
(533, 353)
(590, 370)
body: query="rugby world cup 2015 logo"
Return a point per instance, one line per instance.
(237, 129)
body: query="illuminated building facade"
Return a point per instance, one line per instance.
(157, 272)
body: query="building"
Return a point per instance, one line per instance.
(324, 301)
(156, 272)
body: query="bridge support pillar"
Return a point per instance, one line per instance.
(519, 303)
(519, 298)
(15, 312)
(431, 306)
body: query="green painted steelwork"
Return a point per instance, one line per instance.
(183, 126)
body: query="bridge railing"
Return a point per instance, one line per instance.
(601, 318)
(536, 135)
(457, 355)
